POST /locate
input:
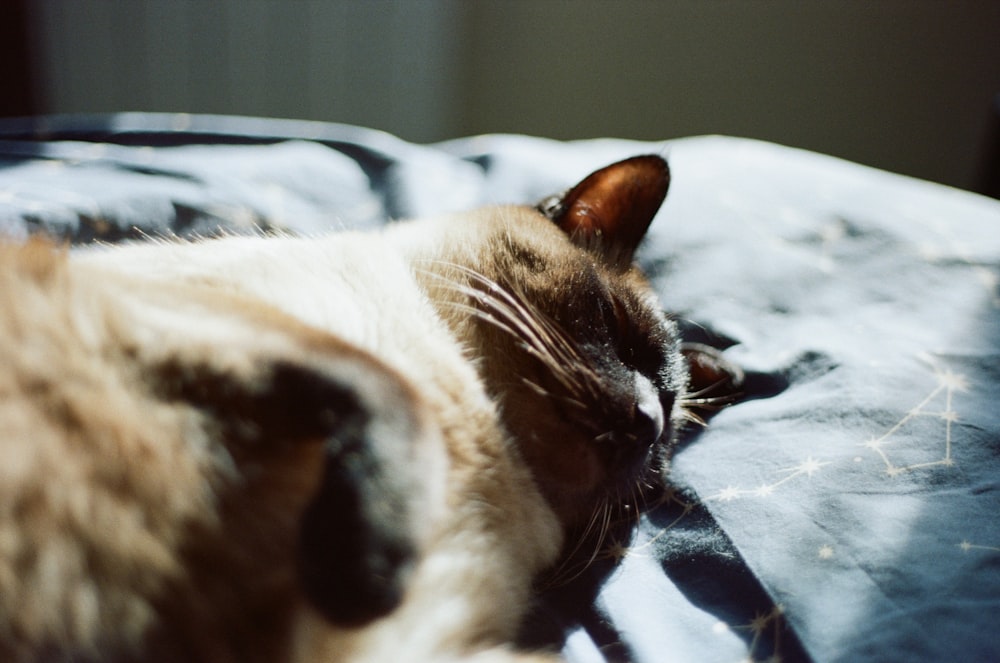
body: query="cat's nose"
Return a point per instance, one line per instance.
(648, 419)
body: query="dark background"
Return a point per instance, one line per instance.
(905, 85)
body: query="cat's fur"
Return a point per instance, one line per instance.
(254, 449)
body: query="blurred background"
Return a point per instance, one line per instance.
(906, 85)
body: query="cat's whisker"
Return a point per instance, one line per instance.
(517, 302)
(645, 486)
(574, 403)
(570, 569)
(636, 502)
(693, 400)
(708, 389)
(568, 349)
(609, 509)
(597, 530)
(624, 506)
(507, 312)
(491, 319)
(691, 417)
(538, 389)
(501, 324)
(561, 353)
(545, 393)
(518, 325)
(549, 336)
(688, 406)
(712, 403)
(536, 352)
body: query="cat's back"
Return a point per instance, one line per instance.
(362, 287)
(342, 283)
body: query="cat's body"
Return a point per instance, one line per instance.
(515, 376)
(507, 531)
(154, 481)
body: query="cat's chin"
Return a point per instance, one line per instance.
(579, 485)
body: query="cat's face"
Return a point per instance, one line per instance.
(586, 367)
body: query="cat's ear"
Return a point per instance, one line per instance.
(609, 212)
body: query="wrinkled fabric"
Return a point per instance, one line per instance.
(846, 510)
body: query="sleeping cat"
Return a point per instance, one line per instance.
(358, 447)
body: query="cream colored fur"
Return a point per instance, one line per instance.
(496, 533)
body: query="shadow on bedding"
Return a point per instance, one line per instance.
(934, 593)
(679, 568)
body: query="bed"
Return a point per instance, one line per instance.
(845, 510)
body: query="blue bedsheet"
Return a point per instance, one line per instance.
(847, 510)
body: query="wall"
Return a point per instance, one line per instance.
(390, 65)
(905, 85)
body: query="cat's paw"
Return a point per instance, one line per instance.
(360, 531)
(357, 533)
(352, 563)
(714, 380)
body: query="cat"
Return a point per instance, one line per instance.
(356, 447)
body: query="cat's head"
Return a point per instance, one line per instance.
(586, 367)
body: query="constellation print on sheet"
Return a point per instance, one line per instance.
(772, 621)
(968, 546)
(806, 468)
(766, 638)
(766, 630)
(617, 548)
(948, 383)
